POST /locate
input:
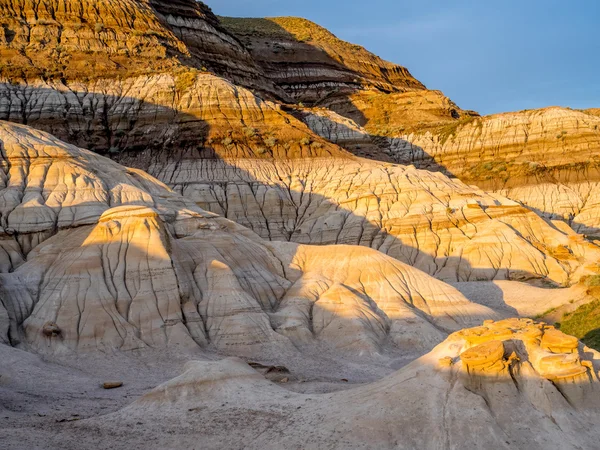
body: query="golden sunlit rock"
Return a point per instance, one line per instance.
(247, 233)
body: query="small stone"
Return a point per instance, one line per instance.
(50, 329)
(284, 380)
(112, 384)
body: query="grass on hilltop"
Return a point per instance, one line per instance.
(584, 324)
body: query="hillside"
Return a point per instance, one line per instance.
(247, 233)
(110, 258)
(487, 387)
(310, 63)
(226, 148)
(68, 40)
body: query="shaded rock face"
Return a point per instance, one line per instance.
(485, 387)
(309, 63)
(449, 230)
(300, 186)
(226, 148)
(169, 115)
(99, 257)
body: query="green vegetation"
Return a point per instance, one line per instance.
(545, 313)
(295, 28)
(147, 33)
(584, 322)
(450, 129)
(491, 170)
(46, 22)
(507, 169)
(592, 281)
(270, 142)
(250, 132)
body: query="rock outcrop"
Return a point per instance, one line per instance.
(169, 115)
(80, 41)
(220, 242)
(310, 64)
(450, 230)
(226, 148)
(487, 387)
(262, 166)
(545, 159)
(99, 257)
(129, 77)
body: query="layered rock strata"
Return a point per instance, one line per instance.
(96, 256)
(447, 229)
(80, 41)
(218, 142)
(265, 168)
(545, 159)
(310, 64)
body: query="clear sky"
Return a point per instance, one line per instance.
(490, 56)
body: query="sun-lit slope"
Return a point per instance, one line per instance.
(547, 159)
(86, 40)
(440, 225)
(227, 148)
(509, 384)
(96, 256)
(154, 117)
(265, 168)
(256, 162)
(310, 63)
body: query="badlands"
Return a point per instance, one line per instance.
(247, 233)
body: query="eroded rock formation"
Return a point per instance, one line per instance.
(545, 159)
(227, 148)
(487, 387)
(99, 257)
(310, 64)
(450, 230)
(265, 168)
(75, 40)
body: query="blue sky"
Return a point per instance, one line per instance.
(488, 56)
